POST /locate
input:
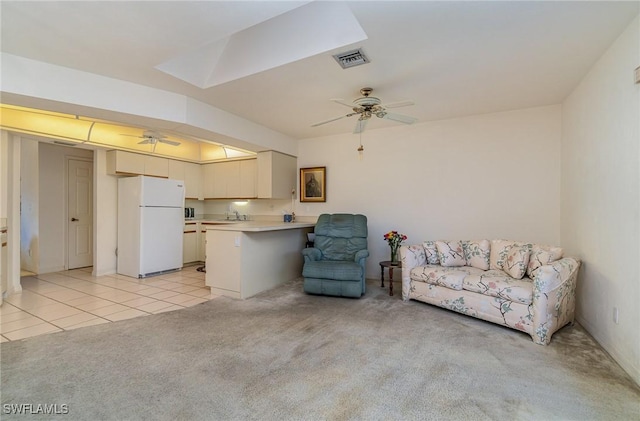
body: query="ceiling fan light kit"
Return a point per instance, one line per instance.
(366, 107)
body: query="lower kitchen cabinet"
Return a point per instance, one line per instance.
(202, 244)
(190, 243)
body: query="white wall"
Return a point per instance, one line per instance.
(29, 205)
(4, 174)
(601, 197)
(105, 227)
(487, 176)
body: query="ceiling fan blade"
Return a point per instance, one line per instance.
(360, 126)
(399, 104)
(401, 118)
(169, 142)
(341, 102)
(328, 121)
(145, 142)
(333, 119)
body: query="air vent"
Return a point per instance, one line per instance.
(351, 58)
(59, 142)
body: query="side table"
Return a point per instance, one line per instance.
(391, 266)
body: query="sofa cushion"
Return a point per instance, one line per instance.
(516, 262)
(450, 253)
(432, 252)
(541, 256)
(499, 250)
(476, 253)
(450, 277)
(498, 284)
(332, 269)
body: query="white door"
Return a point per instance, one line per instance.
(80, 213)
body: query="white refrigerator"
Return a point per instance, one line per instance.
(150, 225)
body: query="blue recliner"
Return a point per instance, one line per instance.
(335, 265)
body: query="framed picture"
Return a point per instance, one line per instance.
(313, 184)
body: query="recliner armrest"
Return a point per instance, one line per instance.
(311, 254)
(361, 254)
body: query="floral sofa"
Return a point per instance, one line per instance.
(528, 287)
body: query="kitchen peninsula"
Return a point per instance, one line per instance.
(245, 258)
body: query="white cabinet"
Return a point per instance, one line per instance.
(127, 163)
(276, 175)
(230, 180)
(202, 243)
(193, 181)
(208, 177)
(248, 178)
(176, 170)
(120, 162)
(3, 263)
(190, 242)
(156, 166)
(191, 174)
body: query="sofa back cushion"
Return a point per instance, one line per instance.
(517, 261)
(499, 250)
(431, 252)
(476, 253)
(541, 256)
(450, 253)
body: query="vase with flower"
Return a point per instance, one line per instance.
(394, 239)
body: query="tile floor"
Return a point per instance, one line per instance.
(54, 302)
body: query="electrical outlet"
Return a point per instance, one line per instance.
(615, 315)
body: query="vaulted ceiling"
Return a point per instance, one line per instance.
(271, 62)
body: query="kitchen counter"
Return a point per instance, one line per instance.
(248, 257)
(257, 226)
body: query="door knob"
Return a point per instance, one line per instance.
(74, 219)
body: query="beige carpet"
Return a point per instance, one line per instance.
(286, 355)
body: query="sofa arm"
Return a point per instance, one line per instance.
(410, 256)
(360, 256)
(554, 298)
(311, 254)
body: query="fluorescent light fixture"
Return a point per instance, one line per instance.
(71, 130)
(41, 123)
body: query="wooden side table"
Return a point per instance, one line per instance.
(391, 266)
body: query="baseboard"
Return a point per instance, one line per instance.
(50, 269)
(103, 272)
(631, 370)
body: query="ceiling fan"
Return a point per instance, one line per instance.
(152, 138)
(368, 106)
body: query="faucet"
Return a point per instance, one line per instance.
(237, 215)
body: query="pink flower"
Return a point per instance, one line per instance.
(492, 285)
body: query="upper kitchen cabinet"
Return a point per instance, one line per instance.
(248, 186)
(191, 174)
(230, 180)
(276, 175)
(127, 163)
(193, 181)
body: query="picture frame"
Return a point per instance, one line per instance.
(313, 184)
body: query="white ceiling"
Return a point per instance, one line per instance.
(451, 58)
